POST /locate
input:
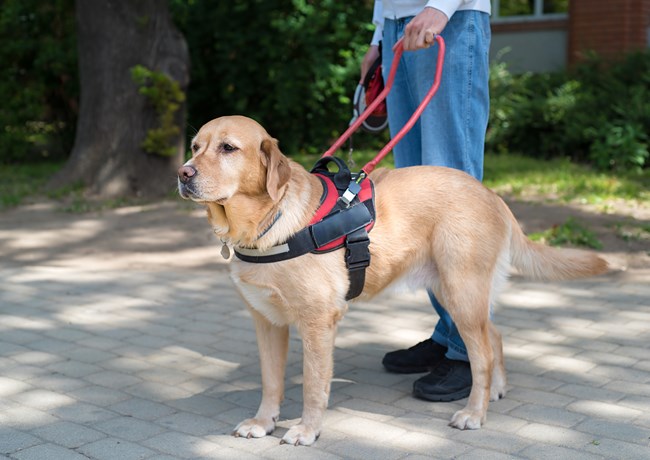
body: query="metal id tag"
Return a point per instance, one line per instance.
(225, 251)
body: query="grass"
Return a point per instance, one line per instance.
(570, 233)
(17, 182)
(629, 231)
(559, 180)
(22, 182)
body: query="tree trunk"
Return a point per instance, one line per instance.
(113, 37)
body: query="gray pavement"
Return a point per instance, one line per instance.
(121, 337)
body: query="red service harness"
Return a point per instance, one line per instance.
(345, 216)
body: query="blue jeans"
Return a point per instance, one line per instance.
(451, 131)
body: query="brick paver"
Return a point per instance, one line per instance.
(158, 360)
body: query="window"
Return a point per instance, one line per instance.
(509, 10)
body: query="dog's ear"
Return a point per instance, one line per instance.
(278, 170)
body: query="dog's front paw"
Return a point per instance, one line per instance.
(467, 420)
(254, 428)
(300, 435)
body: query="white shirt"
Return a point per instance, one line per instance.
(397, 9)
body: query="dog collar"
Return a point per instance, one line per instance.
(266, 230)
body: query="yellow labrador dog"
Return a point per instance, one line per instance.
(435, 228)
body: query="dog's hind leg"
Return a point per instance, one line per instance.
(498, 387)
(273, 342)
(318, 347)
(466, 297)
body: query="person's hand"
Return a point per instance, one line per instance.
(421, 31)
(371, 56)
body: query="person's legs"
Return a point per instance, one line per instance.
(455, 121)
(453, 135)
(450, 132)
(402, 101)
(445, 333)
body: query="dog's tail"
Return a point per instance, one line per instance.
(540, 262)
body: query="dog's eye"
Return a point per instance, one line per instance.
(228, 147)
(195, 148)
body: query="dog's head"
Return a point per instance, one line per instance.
(233, 156)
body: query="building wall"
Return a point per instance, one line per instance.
(535, 51)
(610, 28)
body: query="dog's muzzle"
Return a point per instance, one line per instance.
(186, 175)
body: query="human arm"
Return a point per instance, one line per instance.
(373, 51)
(371, 56)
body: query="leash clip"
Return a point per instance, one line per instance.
(350, 194)
(353, 189)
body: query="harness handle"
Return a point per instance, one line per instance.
(398, 49)
(341, 178)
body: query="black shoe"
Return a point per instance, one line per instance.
(418, 358)
(450, 380)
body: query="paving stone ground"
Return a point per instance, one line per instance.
(124, 339)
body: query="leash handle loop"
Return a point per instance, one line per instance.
(414, 118)
(398, 50)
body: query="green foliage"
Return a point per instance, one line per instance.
(527, 7)
(515, 8)
(38, 80)
(560, 180)
(291, 64)
(618, 143)
(20, 181)
(570, 233)
(23, 183)
(632, 231)
(166, 95)
(596, 113)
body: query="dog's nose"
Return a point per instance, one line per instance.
(185, 173)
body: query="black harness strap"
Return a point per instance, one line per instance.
(357, 259)
(344, 222)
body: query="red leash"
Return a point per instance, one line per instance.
(398, 49)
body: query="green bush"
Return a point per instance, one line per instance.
(38, 80)
(596, 113)
(292, 65)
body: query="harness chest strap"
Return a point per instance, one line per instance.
(311, 238)
(350, 222)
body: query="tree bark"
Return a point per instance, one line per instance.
(113, 37)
